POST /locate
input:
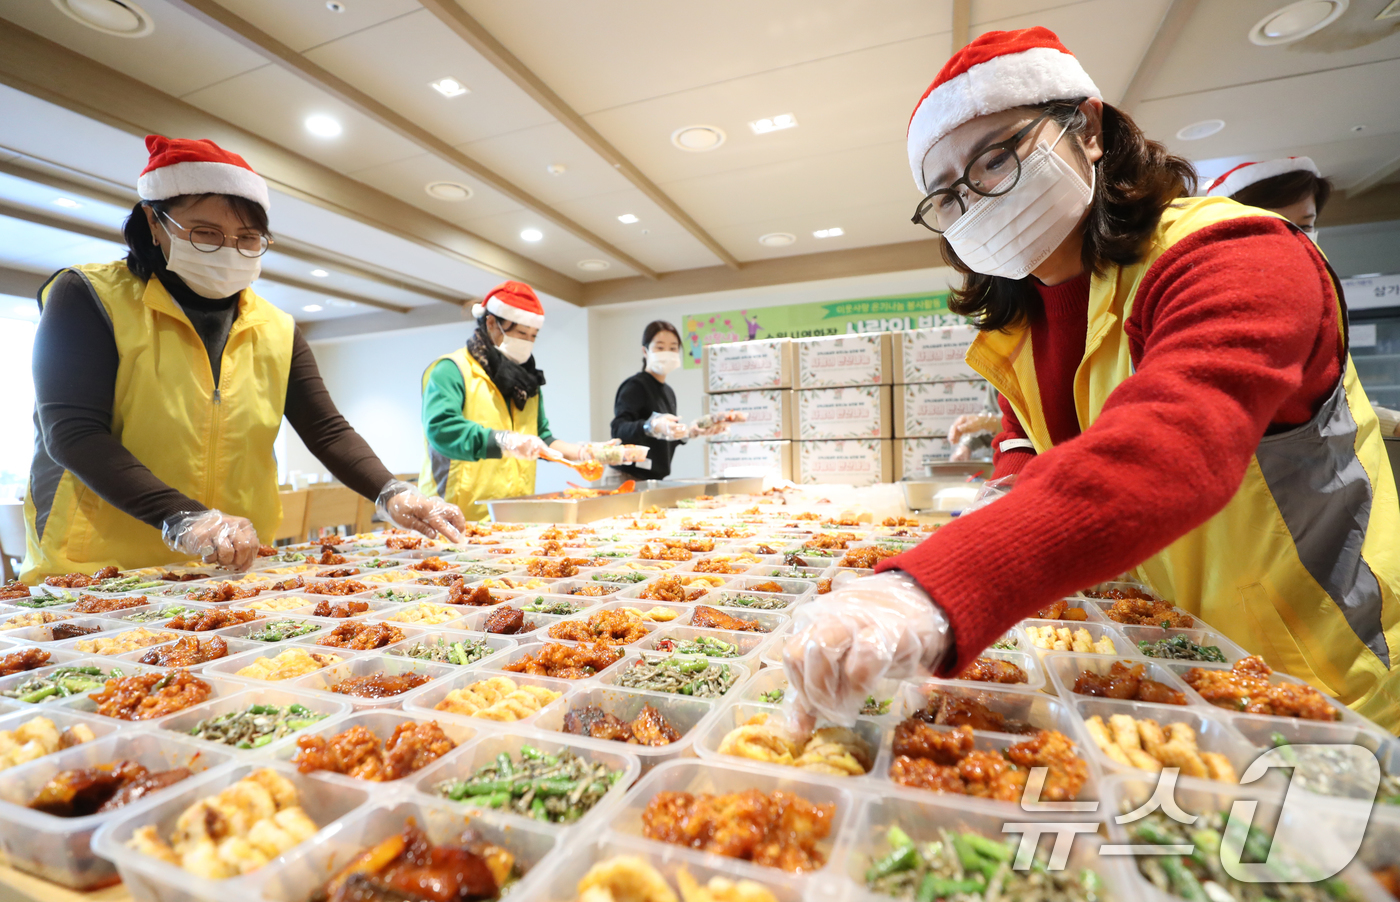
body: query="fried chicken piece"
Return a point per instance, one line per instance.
(79, 580)
(957, 711)
(340, 573)
(341, 610)
(670, 588)
(360, 636)
(663, 553)
(349, 587)
(1246, 687)
(506, 621)
(200, 621)
(414, 746)
(404, 543)
(1125, 682)
(594, 722)
(768, 586)
(14, 589)
(706, 616)
(186, 652)
(916, 739)
(432, 564)
(1143, 611)
(1061, 610)
(22, 660)
(824, 586)
(780, 830)
(1051, 749)
(288, 585)
(829, 541)
(921, 773)
(222, 592)
(355, 753)
(477, 597)
(556, 569)
(993, 670)
(604, 627)
(566, 662)
(651, 728)
(329, 557)
(91, 604)
(865, 558)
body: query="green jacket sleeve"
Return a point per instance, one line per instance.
(449, 433)
(542, 427)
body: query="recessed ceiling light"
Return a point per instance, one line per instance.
(121, 18)
(697, 138)
(776, 124)
(323, 126)
(67, 202)
(312, 308)
(450, 191)
(449, 87)
(556, 169)
(335, 6)
(1198, 130)
(593, 265)
(628, 218)
(1391, 10)
(319, 273)
(777, 239)
(1296, 21)
(829, 233)
(531, 235)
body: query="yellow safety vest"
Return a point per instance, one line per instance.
(213, 443)
(1302, 566)
(465, 482)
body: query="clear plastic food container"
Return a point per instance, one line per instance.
(150, 879)
(228, 668)
(747, 645)
(611, 676)
(83, 702)
(13, 682)
(323, 681)
(185, 721)
(553, 603)
(748, 600)
(1098, 631)
(1212, 734)
(476, 622)
(684, 714)
(235, 647)
(158, 610)
(425, 699)
(1014, 704)
(424, 613)
(35, 635)
(732, 715)
(58, 848)
(1136, 634)
(252, 627)
(1064, 668)
(61, 717)
(498, 644)
(382, 724)
(1029, 664)
(404, 594)
(569, 586)
(1345, 714)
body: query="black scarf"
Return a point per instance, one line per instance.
(518, 382)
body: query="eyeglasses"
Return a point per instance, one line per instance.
(993, 172)
(207, 239)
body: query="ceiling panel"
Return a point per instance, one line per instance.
(1214, 50)
(294, 301)
(41, 199)
(14, 307)
(274, 104)
(663, 253)
(558, 249)
(275, 264)
(600, 214)
(49, 132)
(40, 249)
(859, 99)
(607, 53)
(303, 24)
(524, 157)
(1108, 37)
(407, 180)
(181, 55)
(865, 226)
(395, 61)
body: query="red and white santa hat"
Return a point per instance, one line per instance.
(513, 301)
(188, 166)
(1246, 174)
(998, 71)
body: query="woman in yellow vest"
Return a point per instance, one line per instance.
(161, 381)
(1177, 395)
(484, 423)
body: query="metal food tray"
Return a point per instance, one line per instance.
(552, 509)
(662, 493)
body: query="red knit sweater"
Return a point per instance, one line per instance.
(1233, 333)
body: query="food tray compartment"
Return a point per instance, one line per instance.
(425, 699)
(1065, 667)
(921, 816)
(160, 605)
(1258, 732)
(9, 626)
(537, 641)
(1295, 832)
(235, 647)
(1031, 664)
(772, 654)
(740, 599)
(542, 635)
(1205, 636)
(84, 704)
(1122, 584)
(403, 614)
(734, 714)
(57, 655)
(610, 676)
(41, 635)
(62, 717)
(1380, 849)
(368, 664)
(567, 586)
(721, 777)
(581, 604)
(115, 629)
(1347, 715)
(396, 594)
(750, 645)
(228, 668)
(244, 630)
(382, 724)
(682, 713)
(1096, 630)
(149, 879)
(14, 680)
(58, 848)
(499, 644)
(483, 751)
(182, 722)
(476, 622)
(308, 867)
(1036, 709)
(1212, 733)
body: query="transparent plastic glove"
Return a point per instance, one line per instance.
(219, 538)
(666, 426)
(402, 504)
(992, 490)
(717, 423)
(972, 423)
(843, 644)
(520, 445)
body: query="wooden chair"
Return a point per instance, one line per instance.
(11, 537)
(364, 516)
(331, 507)
(293, 525)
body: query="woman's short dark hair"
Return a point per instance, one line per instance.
(143, 256)
(654, 328)
(1135, 181)
(1286, 190)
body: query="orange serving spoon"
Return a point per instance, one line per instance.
(591, 470)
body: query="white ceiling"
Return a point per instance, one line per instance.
(637, 70)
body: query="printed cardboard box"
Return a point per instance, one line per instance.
(770, 414)
(928, 409)
(725, 459)
(912, 456)
(933, 355)
(853, 461)
(743, 365)
(838, 360)
(856, 411)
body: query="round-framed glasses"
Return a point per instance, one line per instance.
(994, 171)
(207, 239)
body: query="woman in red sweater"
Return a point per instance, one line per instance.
(1177, 398)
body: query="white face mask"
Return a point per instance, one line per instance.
(663, 362)
(1010, 235)
(1315, 234)
(214, 275)
(517, 349)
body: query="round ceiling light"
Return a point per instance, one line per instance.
(121, 18)
(531, 235)
(323, 126)
(593, 265)
(449, 191)
(1296, 21)
(697, 138)
(1198, 130)
(777, 239)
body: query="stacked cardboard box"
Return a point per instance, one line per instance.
(934, 386)
(844, 409)
(754, 377)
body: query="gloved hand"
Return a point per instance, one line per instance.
(874, 628)
(613, 453)
(402, 504)
(520, 445)
(965, 427)
(666, 426)
(696, 429)
(219, 538)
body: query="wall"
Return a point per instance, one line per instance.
(1371, 247)
(376, 381)
(615, 334)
